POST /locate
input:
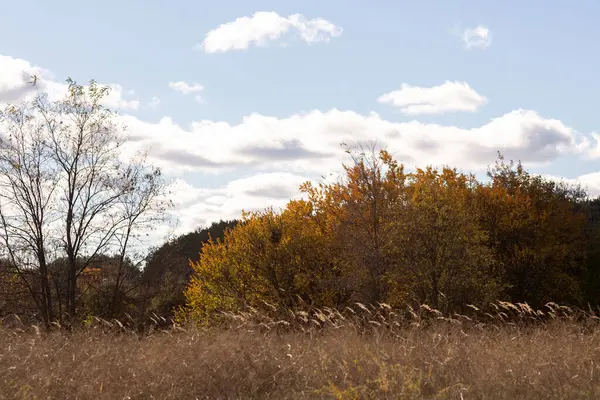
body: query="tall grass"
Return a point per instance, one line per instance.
(514, 352)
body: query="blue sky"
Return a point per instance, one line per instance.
(540, 57)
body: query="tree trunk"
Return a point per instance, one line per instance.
(57, 282)
(115, 295)
(72, 288)
(47, 309)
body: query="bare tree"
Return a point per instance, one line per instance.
(27, 190)
(142, 207)
(67, 192)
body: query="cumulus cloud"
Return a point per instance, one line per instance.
(310, 142)
(277, 154)
(594, 151)
(196, 206)
(272, 185)
(590, 182)
(16, 84)
(186, 88)
(115, 99)
(264, 27)
(447, 97)
(478, 37)
(16, 79)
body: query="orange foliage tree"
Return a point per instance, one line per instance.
(379, 234)
(358, 214)
(536, 230)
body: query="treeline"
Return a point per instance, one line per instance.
(75, 208)
(435, 236)
(136, 292)
(73, 212)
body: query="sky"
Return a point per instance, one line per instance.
(240, 102)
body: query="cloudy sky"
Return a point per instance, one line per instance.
(241, 101)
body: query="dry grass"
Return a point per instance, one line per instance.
(359, 353)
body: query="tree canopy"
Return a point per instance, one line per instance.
(435, 236)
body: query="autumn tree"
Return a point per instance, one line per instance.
(15, 298)
(536, 230)
(97, 283)
(592, 277)
(67, 191)
(275, 257)
(440, 248)
(358, 209)
(434, 236)
(168, 268)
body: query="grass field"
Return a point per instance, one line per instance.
(360, 353)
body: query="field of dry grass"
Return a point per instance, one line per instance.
(358, 353)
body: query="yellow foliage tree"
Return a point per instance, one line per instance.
(274, 257)
(378, 234)
(440, 247)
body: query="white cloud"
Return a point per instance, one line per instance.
(478, 37)
(186, 88)
(154, 102)
(16, 84)
(273, 185)
(594, 152)
(16, 79)
(115, 99)
(309, 143)
(447, 97)
(200, 206)
(589, 182)
(263, 27)
(278, 154)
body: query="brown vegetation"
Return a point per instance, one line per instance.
(360, 352)
(272, 306)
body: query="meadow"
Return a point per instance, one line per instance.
(360, 352)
